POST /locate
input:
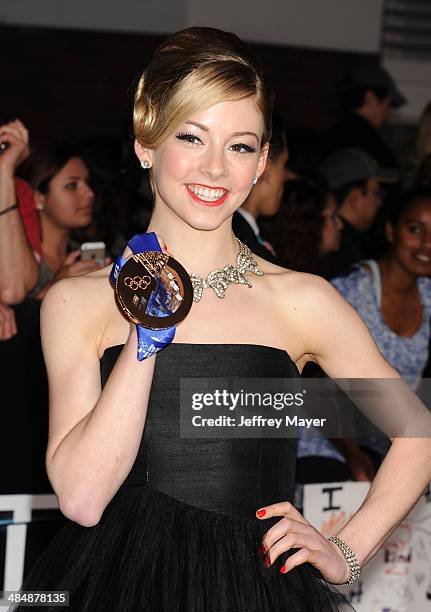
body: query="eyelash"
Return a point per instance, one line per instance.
(188, 137)
(247, 148)
(191, 139)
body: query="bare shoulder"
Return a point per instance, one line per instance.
(313, 299)
(92, 289)
(298, 287)
(332, 333)
(81, 304)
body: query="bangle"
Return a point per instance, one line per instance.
(351, 558)
(9, 208)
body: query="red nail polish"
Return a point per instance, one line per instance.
(262, 549)
(283, 569)
(266, 562)
(261, 513)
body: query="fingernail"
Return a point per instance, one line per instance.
(266, 562)
(261, 513)
(262, 550)
(283, 569)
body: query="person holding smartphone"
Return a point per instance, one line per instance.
(60, 181)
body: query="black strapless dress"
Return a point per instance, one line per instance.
(181, 534)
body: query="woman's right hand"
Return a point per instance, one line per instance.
(15, 134)
(72, 266)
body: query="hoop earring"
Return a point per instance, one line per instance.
(145, 165)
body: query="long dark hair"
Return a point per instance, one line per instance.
(299, 224)
(45, 161)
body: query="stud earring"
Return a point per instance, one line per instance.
(145, 165)
(255, 180)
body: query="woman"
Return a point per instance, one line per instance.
(60, 180)
(393, 294)
(103, 157)
(161, 522)
(308, 226)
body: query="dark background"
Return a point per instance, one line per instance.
(65, 83)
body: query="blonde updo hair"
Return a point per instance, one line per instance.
(192, 70)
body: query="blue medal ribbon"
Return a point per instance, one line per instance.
(150, 341)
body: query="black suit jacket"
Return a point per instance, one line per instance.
(243, 230)
(354, 131)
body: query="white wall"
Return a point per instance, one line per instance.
(351, 25)
(123, 15)
(413, 77)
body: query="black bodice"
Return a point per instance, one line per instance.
(233, 476)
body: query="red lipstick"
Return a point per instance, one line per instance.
(206, 202)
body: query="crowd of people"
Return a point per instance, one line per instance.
(337, 205)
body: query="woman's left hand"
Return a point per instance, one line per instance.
(294, 531)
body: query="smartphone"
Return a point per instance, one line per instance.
(94, 251)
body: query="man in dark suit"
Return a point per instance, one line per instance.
(265, 197)
(355, 180)
(369, 97)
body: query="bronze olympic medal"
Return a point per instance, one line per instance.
(154, 290)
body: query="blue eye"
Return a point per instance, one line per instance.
(187, 137)
(243, 148)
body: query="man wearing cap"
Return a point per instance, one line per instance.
(354, 178)
(368, 99)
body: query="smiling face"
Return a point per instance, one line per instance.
(204, 170)
(411, 238)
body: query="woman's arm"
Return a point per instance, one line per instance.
(94, 436)
(341, 344)
(334, 336)
(18, 266)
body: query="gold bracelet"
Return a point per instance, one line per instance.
(351, 558)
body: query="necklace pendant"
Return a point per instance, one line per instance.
(221, 278)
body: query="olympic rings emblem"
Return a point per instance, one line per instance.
(137, 282)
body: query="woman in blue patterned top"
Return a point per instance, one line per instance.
(393, 294)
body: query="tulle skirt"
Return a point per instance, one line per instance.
(152, 552)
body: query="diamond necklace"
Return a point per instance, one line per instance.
(220, 279)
